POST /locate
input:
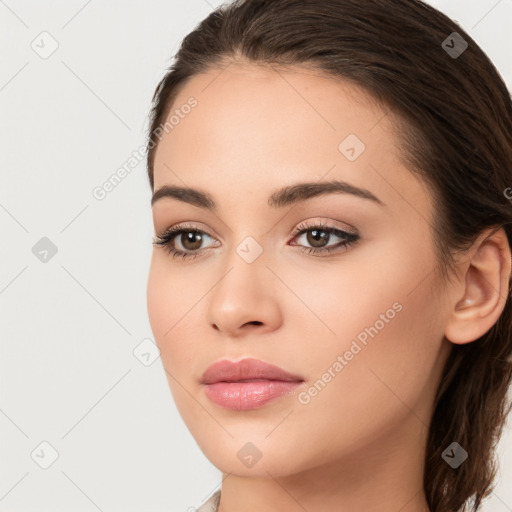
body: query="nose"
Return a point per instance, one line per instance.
(245, 300)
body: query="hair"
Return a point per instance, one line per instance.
(454, 132)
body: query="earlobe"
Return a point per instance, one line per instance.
(482, 293)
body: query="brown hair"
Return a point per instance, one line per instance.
(455, 132)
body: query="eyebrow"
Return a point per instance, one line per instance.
(283, 197)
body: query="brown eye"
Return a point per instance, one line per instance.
(318, 237)
(191, 240)
(188, 240)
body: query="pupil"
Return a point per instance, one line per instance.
(194, 238)
(317, 237)
(314, 236)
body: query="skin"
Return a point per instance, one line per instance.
(359, 443)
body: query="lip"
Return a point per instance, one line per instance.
(247, 384)
(246, 369)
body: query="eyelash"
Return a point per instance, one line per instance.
(168, 236)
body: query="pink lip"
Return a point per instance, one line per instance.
(246, 369)
(226, 383)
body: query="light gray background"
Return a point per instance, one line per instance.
(69, 326)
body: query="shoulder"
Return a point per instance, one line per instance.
(211, 504)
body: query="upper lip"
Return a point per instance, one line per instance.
(246, 369)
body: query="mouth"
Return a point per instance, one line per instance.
(246, 370)
(254, 380)
(247, 384)
(248, 394)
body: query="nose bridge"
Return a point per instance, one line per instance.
(253, 245)
(248, 239)
(246, 266)
(245, 292)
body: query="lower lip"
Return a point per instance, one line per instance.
(241, 396)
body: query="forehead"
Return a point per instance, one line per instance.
(247, 108)
(258, 127)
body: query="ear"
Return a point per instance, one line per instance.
(479, 296)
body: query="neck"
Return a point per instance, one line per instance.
(384, 477)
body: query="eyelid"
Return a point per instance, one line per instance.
(323, 222)
(185, 226)
(190, 225)
(350, 239)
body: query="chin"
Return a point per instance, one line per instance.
(252, 455)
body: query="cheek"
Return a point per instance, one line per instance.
(173, 302)
(168, 296)
(158, 299)
(386, 325)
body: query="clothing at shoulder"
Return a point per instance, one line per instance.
(211, 504)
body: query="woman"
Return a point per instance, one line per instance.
(330, 283)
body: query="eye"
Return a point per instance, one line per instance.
(191, 240)
(320, 235)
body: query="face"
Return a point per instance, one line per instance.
(336, 287)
